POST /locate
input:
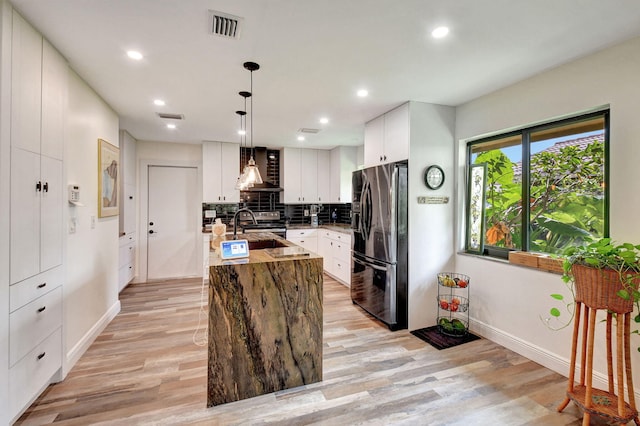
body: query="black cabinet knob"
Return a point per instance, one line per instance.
(42, 309)
(43, 285)
(41, 355)
(150, 223)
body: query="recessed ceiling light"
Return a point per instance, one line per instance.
(324, 120)
(440, 32)
(159, 102)
(134, 54)
(171, 126)
(363, 93)
(300, 138)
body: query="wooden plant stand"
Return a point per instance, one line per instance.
(609, 404)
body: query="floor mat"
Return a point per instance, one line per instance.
(432, 336)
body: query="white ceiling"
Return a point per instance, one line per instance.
(314, 55)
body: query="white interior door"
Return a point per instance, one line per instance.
(172, 227)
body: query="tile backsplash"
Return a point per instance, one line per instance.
(291, 213)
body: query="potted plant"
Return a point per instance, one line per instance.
(603, 275)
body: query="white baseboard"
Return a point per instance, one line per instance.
(81, 347)
(535, 353)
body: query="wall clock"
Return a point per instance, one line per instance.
(433, 177)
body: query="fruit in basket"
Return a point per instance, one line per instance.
(447, 281)
(457, 324)
(453, 307)
(455, 300)
(462, 283)
(444, 304)
(445, 323)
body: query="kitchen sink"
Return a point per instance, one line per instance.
(264, 244)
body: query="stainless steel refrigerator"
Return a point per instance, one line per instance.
(379, 265)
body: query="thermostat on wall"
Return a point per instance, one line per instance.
(234, 249)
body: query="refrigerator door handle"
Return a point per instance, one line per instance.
(370, 264)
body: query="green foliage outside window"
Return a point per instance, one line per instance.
(566, 198)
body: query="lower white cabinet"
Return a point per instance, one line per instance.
(35, 337)
(127, 260)
(34, 372)
(307, 238)
(335, 247)
(206, 252)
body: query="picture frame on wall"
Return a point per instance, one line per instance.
(475, 215)
(108, 179)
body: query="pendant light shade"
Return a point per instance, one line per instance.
(243, 182)
(251, 171)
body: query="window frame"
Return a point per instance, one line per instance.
(525, 138)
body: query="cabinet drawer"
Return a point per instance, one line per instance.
(342, 251)
(30, 289)
(29, 376)
(31, 324)
(127, 254)
(127, 239)
(342, 270)
(301, 233)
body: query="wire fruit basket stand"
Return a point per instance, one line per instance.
(453, 304)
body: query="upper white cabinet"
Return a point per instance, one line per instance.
(311, 176)
(220, 171)
(38, 101)
(300, 176)
(324, 176)
(386, 138)
(343, 164)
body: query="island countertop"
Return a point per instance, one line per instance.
(265, 322)
(255, 256)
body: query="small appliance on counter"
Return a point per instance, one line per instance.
(314, 216)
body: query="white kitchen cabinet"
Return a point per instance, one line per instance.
(299, 176)
(26, 85)
(309, 175)
(305, 176)
(343, 164)
(335, 248)
(323, 181)
(126, 260)
(36, 214)
(386, 138)
(39, 89)
(304, 237)
(128, 183)
(220, 171)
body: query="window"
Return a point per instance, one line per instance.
(559, 169)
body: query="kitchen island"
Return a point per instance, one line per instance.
(265, 320)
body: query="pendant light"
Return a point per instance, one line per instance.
(242, 183)
(252, 172)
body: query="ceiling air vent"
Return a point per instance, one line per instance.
(171, 116)
(307, 130)
(224, 24)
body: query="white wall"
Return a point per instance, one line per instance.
(431, 226)
(91, 288)
(507, 301)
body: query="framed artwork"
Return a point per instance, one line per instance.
(108, 179)
(475, 217)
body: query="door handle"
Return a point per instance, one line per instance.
(151, 231)
(379, 268)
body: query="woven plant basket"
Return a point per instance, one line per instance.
(598, 288)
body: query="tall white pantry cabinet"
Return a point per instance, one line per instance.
(38, 104)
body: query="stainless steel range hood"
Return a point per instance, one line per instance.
(269, 170)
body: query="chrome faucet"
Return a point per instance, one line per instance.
(235, 221)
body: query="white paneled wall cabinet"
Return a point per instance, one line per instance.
(386, 138)
(220, 170)
(37, 195)
(311, 176)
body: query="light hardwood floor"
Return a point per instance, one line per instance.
(145, 369)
